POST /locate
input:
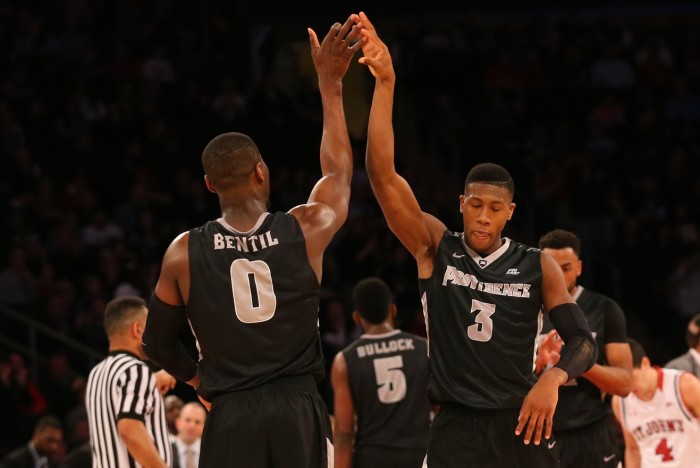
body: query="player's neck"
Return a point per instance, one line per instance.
(243, 216)
(378, 329)
(650, 386)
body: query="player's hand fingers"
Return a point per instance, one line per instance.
(522, 420)
(354, 33)
(357, 45)
(313, 40)
(368, 24)
(346, 27)
(333, 32)
(539, 427)
(549, 422)
(531, 425)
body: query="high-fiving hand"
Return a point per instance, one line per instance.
(332, 56)
(376, 53)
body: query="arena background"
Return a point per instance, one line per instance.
(105, 107)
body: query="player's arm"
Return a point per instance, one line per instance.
(139, 443)
(327, 206)
(578, 354)
(344, 414)
(633, 458)
(614, 378)
(690, 392)
(418, 232)
(167, 316)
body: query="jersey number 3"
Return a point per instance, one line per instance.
(253, 292)
(483, 328)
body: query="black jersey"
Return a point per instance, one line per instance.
(253, 304)
(580, 402)
(388, 375)
(483, 316)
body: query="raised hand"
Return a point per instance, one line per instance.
(332, 56)
(376, 53)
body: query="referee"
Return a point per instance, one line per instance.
(124, 405)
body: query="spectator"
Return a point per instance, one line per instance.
(42, 451)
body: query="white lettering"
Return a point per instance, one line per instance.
(218, 241)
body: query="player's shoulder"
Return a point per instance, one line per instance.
(598, 299)
(413, 336)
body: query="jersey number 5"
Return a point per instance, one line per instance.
(483, 328)
(253, 292)
(390, 379)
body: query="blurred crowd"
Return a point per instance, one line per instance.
(105, 108)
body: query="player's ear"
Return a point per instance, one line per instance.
(646, 363)
(209, 185)
(356, 317)
(259, 171)
(461, 203)
(511, 209)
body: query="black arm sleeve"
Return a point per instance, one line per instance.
(580, 350)
(615, 324)
(161, 343)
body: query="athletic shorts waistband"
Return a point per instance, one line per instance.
(466, 410)
(304, 382)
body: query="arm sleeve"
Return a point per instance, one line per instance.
(580, 350)
(615, 324)
(161, 343)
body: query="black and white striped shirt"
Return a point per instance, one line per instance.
(122, 386)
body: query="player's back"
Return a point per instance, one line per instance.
(666, 432)
(483, 315)
(388, 376)
(253, 304)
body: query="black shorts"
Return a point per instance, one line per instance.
(281, 424)
(370, 456)
(595, 445)
(461, 437)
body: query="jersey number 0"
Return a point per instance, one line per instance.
(253, 292)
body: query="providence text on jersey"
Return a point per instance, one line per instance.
(455, 276)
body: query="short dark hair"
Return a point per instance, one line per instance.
(372, 300)
(46, 422)
(121, 312)
(692, 333)
(490, 173)
(637, 352)
(561, 239)
(228, 157)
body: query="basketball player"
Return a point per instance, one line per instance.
(660, 418)
(582, 423)
(249, 284)
(483, 296)
(381, 379)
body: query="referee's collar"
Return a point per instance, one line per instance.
(123, 351)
